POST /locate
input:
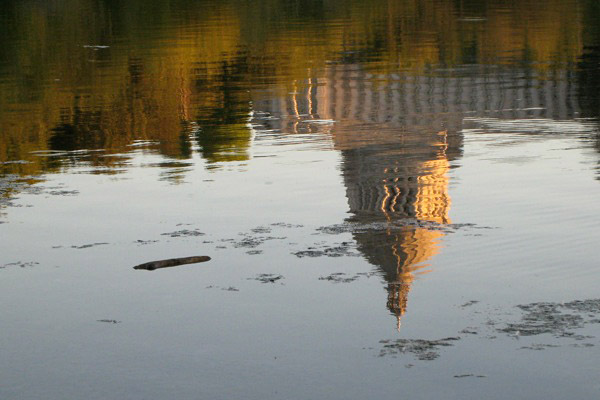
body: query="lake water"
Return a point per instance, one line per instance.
(399, 199)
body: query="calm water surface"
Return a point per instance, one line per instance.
(400, 198)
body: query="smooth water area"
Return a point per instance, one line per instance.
(399, 198)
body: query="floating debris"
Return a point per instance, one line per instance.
(261, 229)
(469, 330)
(171, 262)
(548, 318)
(286, 225)
(557, 319)
(424, 350)
(63, 192)
(21, 264)
(267, 278)
(339, 277)
(109, 321)
(539, 346)
(469, 303)
(336, 250)
(254, 241)
(184, 233)
(144, 242)
(227, 289)
(87, 246)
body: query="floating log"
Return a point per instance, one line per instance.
(171, 262)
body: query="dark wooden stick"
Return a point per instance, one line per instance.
(171, 262)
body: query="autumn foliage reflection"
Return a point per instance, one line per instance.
(82, 74)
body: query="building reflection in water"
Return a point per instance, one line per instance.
(394, 165)
(390, 183)
(399, 135)
(403, 185)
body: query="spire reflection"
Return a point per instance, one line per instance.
(401, 186)
(397, 137)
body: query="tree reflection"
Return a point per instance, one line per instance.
(588, 71)
(224, 133)
(158, 71)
